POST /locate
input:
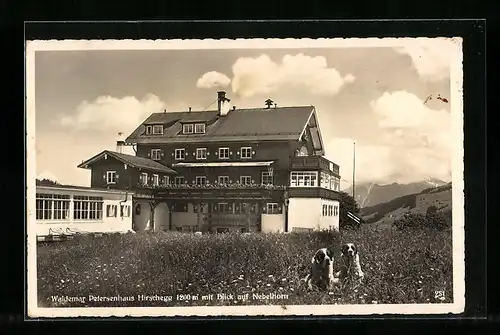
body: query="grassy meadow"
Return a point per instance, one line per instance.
(179, 269)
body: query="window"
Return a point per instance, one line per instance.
(199, 128)
(138, 209)
(201, 180)
(180, 154)
(111, 177)
(244, 230)
(87, 208)
(325, 180)
(324, 212)
(158, 129)
(165, 180)
(52, 206)
(144, 178)
(156, 180)
(125, 211)
(267, 178)
(245, 180)
(273, 208)
(223, 207)
(149, 130)
(201, 153)
(111, 211)
(336, 210)
(304, 179)
(246, 152)
(223, 153)
(179, 180)
(336, 183)
(330, 210)
(180, 208)
(223, 179)
(222, 230)
(240, 208)
(155, 154)
(187, 128)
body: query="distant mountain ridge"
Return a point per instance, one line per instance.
(371, 194)
(438, 197)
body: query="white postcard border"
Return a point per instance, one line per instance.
(456, 81)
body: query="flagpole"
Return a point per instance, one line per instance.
(354, 170)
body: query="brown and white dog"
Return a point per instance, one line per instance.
(350, 267)
(321, 270)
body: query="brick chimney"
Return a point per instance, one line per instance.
(222, 103)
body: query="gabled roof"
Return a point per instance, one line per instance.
(134, 161)
(280, 123)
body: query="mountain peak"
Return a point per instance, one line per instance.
(370, 194)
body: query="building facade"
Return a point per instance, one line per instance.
(259, 169)
(65, 211)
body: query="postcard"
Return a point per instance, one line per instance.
(246, 177)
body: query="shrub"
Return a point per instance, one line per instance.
(348, 204)
(432, 220)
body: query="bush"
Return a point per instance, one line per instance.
(432, 220)
(399, 267)
(348, 204)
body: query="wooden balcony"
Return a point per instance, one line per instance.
(215, 192)
(313, 192)
(315, 163)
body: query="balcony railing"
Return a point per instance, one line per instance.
(313, 192)
(233, 186)
(215, 191)
(313, 163)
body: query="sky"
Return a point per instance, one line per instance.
(374, 96)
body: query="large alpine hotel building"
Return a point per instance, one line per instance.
(230, 169)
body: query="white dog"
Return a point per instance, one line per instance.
(350, 267)
(321, 270)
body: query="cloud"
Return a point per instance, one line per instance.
(415, 143)
(430, 56)
(261, 75)
(213, 79)
(108, 113)
(341, 151)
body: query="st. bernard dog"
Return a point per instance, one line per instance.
(321, 270)
(350, 265)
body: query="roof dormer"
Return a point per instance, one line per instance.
(197, 127)
(154, 129)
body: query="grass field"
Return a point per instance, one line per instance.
(185, 269)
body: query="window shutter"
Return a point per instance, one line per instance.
(104, 176)
(162, 153)
(149, 153)
(117, 176)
